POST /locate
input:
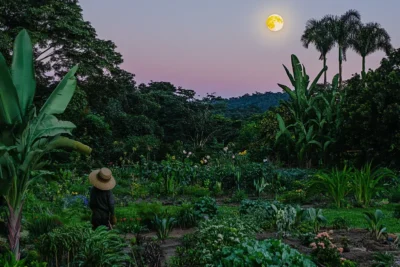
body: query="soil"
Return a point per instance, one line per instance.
(361, 245)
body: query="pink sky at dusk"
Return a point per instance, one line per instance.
(223, 46)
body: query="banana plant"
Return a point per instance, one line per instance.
(316, 116)
(26, 135)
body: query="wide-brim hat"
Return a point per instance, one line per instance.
(102, 179)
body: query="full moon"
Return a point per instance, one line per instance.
(275, 22)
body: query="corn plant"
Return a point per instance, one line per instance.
(260, 185)
(163, 226)
(335, 183)
(375, 225)
(26, 135)
(367, 183)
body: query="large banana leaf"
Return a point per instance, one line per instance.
(64, 142)
(60, 97)
(10, 112)
(22, 71)
(49, 125)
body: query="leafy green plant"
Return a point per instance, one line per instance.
(205, 207)
(335, 183)
(82, 246)
(269, 252)
(262, 210)
(315, 217)
(205, 245)
(383, 259)
(367, 183)
(26, 136)
(238, 196)
(285, 219)
(146, 211)
(375, 225)
(163, 225)
(43, 224)
(186, 217)
(260, 185)
(9, 260)
(196, 191)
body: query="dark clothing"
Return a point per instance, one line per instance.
(102, 206)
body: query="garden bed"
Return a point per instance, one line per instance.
(361, 245)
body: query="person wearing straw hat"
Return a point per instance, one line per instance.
(101, 198)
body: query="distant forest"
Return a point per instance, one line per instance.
(244, 106)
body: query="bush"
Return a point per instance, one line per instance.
(205, 245)
(238, 196)
(186, 216)
(324, 252)
(269, 252)
(195, 191)
(396, 213)
(263, 210)
(296, 196)
(147, 210)
(82, 246)
(340, 223)
(205, 207)
(42, 224)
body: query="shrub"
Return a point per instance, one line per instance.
(205, 245)
(238, 196)
(147, 210)
(186, 216)
(263, 209)
(296, 196)
(205, 207)
(82, 246)
(196, 191)
(42, 224)
(395, 196)
(269, 252)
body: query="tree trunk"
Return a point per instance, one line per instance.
(340, 66)
(325, 71)
(363, 65)
(14, 229)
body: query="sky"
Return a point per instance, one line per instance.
(224, 46)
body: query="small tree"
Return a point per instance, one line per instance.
(25, 135)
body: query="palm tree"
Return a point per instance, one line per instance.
(370, 38)
(316, 32)
(342, 29)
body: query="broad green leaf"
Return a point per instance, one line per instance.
(292, 81)
(288, 91)
(335, 82)
(49, 125)
(10, 111)
(22, 71)
(60, 97)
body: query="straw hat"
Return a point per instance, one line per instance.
(102, 179)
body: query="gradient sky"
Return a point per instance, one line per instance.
(223, 46)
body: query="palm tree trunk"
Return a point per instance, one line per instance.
(325, 70)
(340, 66)
(14, 229)
(363, 64)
